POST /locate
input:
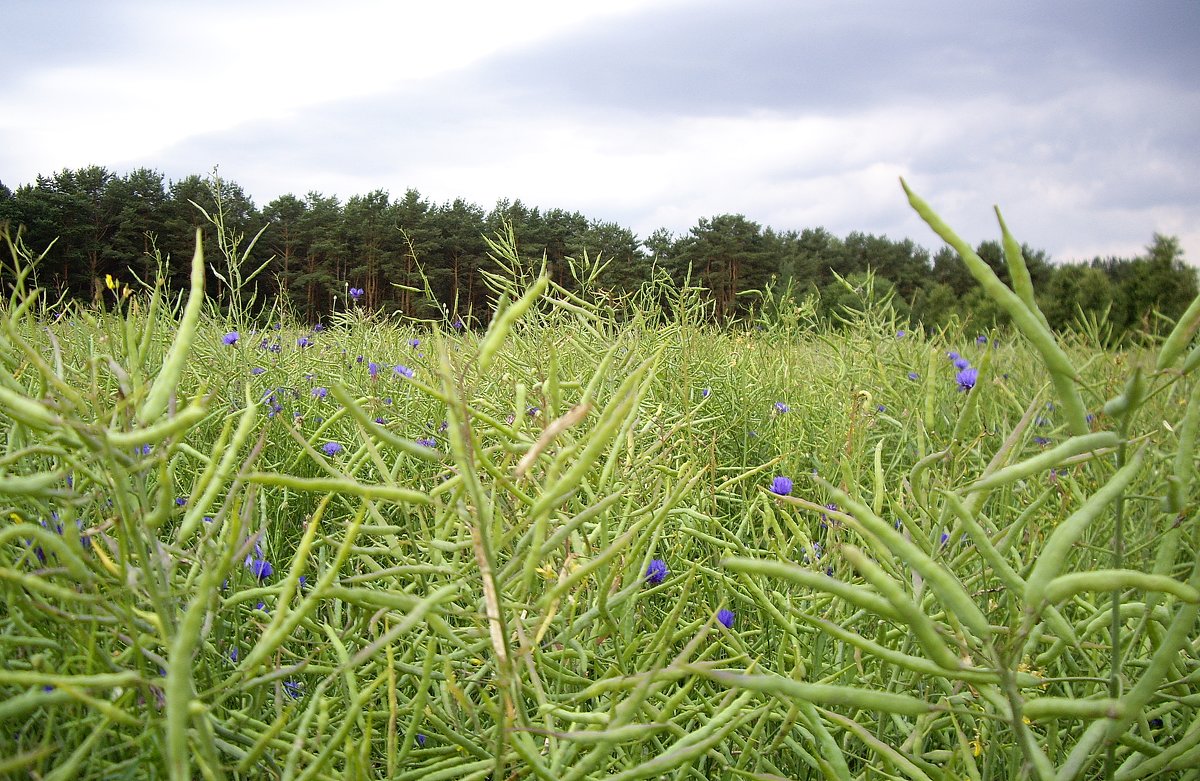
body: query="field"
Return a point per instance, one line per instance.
(585, 542)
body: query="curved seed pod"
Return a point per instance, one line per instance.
(1058, 546)
(1191, 361)
(168, 378)
(42, 484)
(859, 596)
(1001, 567)
(922, 626)
(355, 410)
(1062, 372)
(325, 485)
(1045, 461)
(50, 542)
(28, 411)
(825, 694)
(1068, 708)
(943, 582)
(1130, 398)
(1065, 586)
(1180, 336)
(157, 432)
(1185, 466)
(504, 321)
(1021, 281)
(218, 473)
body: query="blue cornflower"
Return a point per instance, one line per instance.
(981, 339)
(320, 392)
(945, 537)
(914, 376)
(966, 378)
(414, 342)
(901, 334)
(293, 689)
(145, 449)
(705, 392)
(260, 568)
(373, 369)
(533, 411)
(356, 293)
(230, 338)
(420, 735)
(318, 328)
(781, 408)
(1042, 441)
(180, 501)
(781, 485)
(404, 371)
(331, 448)
(656, 572)
(303, 342)
(962, 363)
(726, 617)
(429, 442)
(257, 370)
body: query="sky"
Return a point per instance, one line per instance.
(1079, 119)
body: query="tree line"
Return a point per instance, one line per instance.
(426, 259)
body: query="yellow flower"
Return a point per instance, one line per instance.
(109, 282)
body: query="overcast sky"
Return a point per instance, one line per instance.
(1079, 119)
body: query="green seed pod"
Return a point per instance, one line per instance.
(1068, 708)
(168, 378)
(1130, 398)
(1180, 336)
(1173, 499)
(1065, 586)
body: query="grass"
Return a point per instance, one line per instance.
(989, 583)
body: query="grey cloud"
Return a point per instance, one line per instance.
(718, 58)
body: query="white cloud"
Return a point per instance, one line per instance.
(205, 68)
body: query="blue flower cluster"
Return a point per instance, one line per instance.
(967, 375)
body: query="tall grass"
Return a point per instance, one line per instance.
(558, 549)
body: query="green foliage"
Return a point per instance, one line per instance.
(424, 260)
(402, 549)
